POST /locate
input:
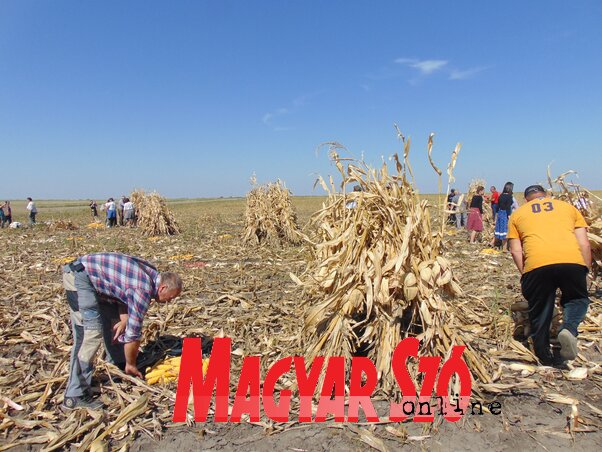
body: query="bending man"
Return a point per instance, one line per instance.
(549, 245)
(108, 295)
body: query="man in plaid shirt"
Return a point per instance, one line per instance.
(108, 296)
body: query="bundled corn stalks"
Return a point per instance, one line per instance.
(590, 207)
(65, 225)
(270, 216)
(153, 216)
(377, 274)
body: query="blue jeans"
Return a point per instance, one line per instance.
(92, 323)
(539, 288)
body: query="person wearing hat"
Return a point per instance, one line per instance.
(548, 242)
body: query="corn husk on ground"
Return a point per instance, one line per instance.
(153, 216)
(66, 225)
(270, 216)
(590, 207)
(377, 273)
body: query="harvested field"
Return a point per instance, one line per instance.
(246, 293)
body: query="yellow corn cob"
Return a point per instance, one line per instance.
(168, 370)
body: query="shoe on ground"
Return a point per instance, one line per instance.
(568, 345)
(85, 401)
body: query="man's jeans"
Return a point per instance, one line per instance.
(460, 220)
(32, 217)
(91, 323)
(539, 288)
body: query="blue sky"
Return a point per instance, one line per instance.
(191, 98)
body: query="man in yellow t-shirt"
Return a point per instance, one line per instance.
(549, 245)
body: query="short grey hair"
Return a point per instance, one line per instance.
(171, 280)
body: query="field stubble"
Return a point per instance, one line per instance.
(245, 293)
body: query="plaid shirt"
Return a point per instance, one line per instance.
(129, 279)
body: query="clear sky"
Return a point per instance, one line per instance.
(191, 98)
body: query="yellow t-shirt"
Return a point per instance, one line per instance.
(546, 228)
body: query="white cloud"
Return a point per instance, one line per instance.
(428, 66)
(268, 117)
(425, 67)
(457, 74)
(273, 118)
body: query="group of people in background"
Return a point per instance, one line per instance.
(122, 212)
(6, 214)
(468, 213)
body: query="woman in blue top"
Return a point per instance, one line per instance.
(504, 207)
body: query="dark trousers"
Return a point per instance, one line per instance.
(539, 289)
(494, 211)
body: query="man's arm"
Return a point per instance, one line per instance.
(138, 301)
(516, 249)
(131, 354)
(584, 246)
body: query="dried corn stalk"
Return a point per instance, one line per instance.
(377, 274)
(270, 216)
(590, 207)
(66, 225)
(153, 216)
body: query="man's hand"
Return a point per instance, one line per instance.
(118, 329)
(131, 353)
(132, 370)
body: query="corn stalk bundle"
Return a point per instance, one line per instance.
(270, 216)
(590, 207)
(377, 274)
(66, 225)
(153, 216)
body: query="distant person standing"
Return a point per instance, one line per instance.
(504, 211)
(459, 202)
(475, 215)
(94, 210)
(8, 213)
(128, 213)
(111, 209)
(451, 219)
(2, 217)
(33, 211)
(120, 210)
(550, 247)
(493, 199)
